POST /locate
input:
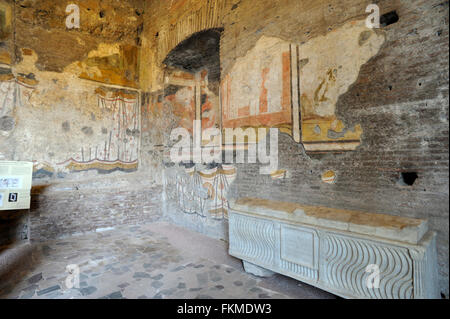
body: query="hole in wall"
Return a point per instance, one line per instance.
(389, 18)
(408, 178)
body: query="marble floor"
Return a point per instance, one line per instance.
(159, 260)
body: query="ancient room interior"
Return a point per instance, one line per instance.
(224, 149)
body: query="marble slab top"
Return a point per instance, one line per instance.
(396, 228)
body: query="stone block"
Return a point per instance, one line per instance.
(256, 270)
(373, 257)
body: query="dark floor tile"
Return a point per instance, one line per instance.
(48, 290)
(88, 291)
(158, 277)
(157, 284)
(114, 295)
(141, 275)
(35, 279)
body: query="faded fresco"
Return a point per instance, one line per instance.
(112, 64)
(86, 126)
(68, 101)
(209, 102)
(256, 92)
(15, 93)
(201, 191)
(120, 148)
(296, 87)
(327, 74)
(180, 96)
(5, 33)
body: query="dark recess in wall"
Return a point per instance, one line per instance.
(389, 18)
(200, 51)
(408, 178)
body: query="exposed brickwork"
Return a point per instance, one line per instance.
(63, 213)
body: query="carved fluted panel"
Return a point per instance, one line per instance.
(345, 260)
(253, 238)
(299, 270)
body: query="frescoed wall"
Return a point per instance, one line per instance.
(325, 74)
(15, 94)
(112, 64)
(178, 98)
(200, 190)
(296, 87)
(84, 126)
(6, 28)
(209, 104)
(359, 107)
(69, 98)
(256, 92)
(119, 149)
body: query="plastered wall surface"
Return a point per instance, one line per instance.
(80, 83)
